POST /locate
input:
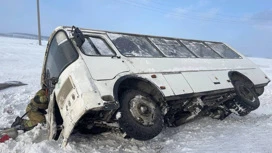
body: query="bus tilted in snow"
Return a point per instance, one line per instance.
(139, 83)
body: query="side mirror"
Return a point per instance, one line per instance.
(78, 36)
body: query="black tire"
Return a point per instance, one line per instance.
(246, 96)
(259, 91)
(146, 109)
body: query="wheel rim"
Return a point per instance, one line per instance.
(247, 93)
(143, 110)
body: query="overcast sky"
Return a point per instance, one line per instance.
(246, 25)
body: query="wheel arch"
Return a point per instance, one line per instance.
(137, 83)
(235, 76)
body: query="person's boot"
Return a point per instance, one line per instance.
(18, 124)
(18, 121)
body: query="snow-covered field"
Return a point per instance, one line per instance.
(22, 59)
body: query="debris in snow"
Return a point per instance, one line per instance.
(11, 84)
(9, 110)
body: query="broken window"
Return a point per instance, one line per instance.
(171, 48)
(96, 46)
(200, 49)
(130, 45)
(223, 50)
(61, 53)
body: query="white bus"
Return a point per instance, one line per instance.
(99, 80)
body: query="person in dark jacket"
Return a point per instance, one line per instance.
(36, 111)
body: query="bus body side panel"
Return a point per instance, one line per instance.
(196, 67)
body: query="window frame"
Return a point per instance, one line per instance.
(48, 51)
(147, 39)
(239, 56)
(202, 42)
(178, 41)
(105, 42)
